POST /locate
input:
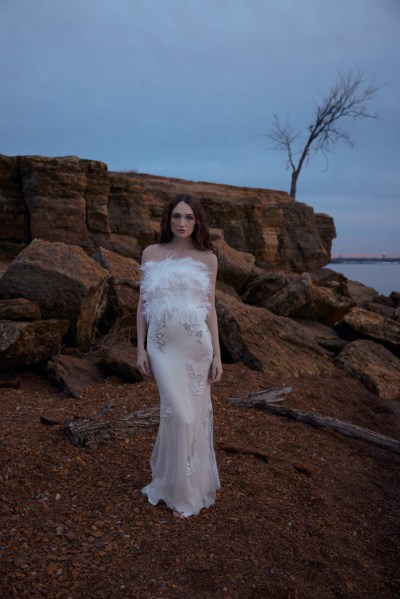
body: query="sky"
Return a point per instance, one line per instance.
(188, 89)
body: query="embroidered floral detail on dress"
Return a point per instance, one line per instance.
(160, 341)
(188, 328)
(159, 335)
(167, 413)
(190, 467)
(196, 372)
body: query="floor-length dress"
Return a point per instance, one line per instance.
(175, 298)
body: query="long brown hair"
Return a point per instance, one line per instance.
(201, 234)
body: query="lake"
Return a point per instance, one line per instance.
(382, 276)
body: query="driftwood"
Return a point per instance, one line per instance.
(259, 398)
(303, 468)
(262, 400)
(89, 431)
(146, 417)
(241, 449)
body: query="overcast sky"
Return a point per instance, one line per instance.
(183, 88)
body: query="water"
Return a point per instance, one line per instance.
(384, 277)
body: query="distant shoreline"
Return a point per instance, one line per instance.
(350, 260)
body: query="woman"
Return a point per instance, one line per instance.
(176, 316)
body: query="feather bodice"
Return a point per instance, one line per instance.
(175, 290)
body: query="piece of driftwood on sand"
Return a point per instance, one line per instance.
(89, 431)
(266, 398)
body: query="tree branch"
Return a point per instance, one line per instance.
(350, 430)
(347, 98)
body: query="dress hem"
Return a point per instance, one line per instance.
(155, 501)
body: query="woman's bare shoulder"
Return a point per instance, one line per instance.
(210, 259)
(152, 252)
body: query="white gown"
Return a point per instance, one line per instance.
(184, 470)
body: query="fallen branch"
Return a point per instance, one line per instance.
(303, 468)
(261, 400)
(241, 449)
(89, 431)
(144, 418)
(86, 432)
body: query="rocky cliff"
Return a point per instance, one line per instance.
(79, 202)
(78, 232)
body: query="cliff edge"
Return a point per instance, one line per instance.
(80, 202)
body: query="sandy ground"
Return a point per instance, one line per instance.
(71, 525)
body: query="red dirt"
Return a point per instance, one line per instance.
(71, 528)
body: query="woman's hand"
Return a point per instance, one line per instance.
(143, 362)
(215, 370)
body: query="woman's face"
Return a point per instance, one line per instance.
(182, 220)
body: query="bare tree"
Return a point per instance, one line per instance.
(346, 98)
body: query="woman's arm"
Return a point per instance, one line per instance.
(216, 365)
(143, 362)
(212, 323)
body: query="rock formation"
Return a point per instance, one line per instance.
(123, 294)
(66, 283)
(79, 202)
(365, 324)
(73, 374)
(24, 343)
(291, 294)
(14, 216)
(234, 268)
(119, 356)
(375, 366)
(66, 200)
(19, 309)
(279, 346)
(71, 237)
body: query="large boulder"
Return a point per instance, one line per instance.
(234, 268)
(73, 375)
(384, 310)
(124, 288)
(325, 229)
(123, 245)
(325, 336)
(361, 293)
(291, 294)
(364, 324)
(326, 277)
(67, 198)
(25, 343)
(119, 357)
(66, 283)
(375, 366)
(280, 232)
(277, 345)
(134, 207)
(395, 298)
(19, 309)
(14, 217)
(387, 306)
